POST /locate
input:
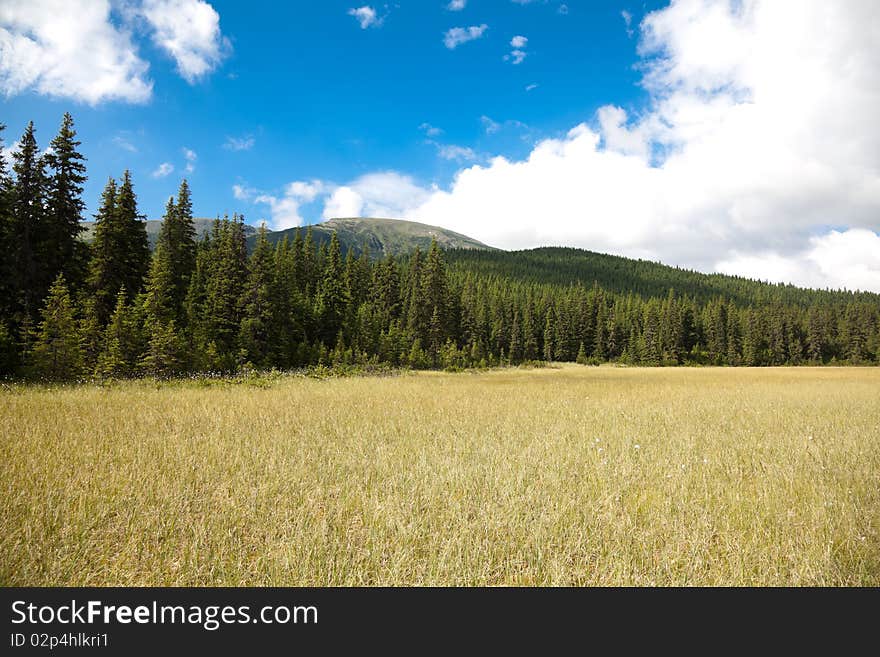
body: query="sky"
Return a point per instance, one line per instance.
(737, 136)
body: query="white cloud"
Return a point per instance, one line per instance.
(383, 194)
(366, 17)
(84, 49)
(242, 192)
(453, 152)
(456, 5)
(190, 156)
(189, 31)
(459, 35)
(239, 143)
(69, 49)
(163, 170)
(758, 153)
(531, 87)
(627, 18)
(838, 259)
(518, 54)
(285, 210)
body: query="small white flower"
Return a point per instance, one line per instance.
(637, 446)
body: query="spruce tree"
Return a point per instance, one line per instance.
(179, 237)
(8, 296)
(159, 293)
(255, 334)
(225, 283)
(62, 251)
(29, 273)
(119, 353)
(135, 247)
(332, 300)
(56, 353)
(105, 279)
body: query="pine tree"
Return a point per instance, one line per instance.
(255, 333)
(159, 293)
(225, 283)
(164, 356)
(179, 237)
(8, 246)
(549, 332)
(135, 247)
(119, 353)
(104, 278)
(332, 300)
(56, 353)
(62, 251)
(27, 222)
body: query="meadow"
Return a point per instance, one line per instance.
(567, 475)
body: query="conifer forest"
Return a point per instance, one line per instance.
(111, 307)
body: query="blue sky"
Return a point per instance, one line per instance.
(320, 97)
(737, 136)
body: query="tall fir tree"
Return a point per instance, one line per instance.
(63, 251)
(133, 230)
(255, 336)
(56, 353)
(332, 300)
(29, 272)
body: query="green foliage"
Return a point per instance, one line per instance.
(319, 300)
(56, 354)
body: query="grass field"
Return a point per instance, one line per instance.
(576, 475)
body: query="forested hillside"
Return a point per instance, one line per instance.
(111, 308)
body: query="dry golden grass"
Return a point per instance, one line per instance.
(559, 476)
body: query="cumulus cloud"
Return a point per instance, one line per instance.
(85, 49)
(757, 154)
(69, 49)
(456, 5)
(189, 31)
(458, 35)
(366, 16)
(285, 210)
(163, 170)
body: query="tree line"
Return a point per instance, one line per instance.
(112, 308)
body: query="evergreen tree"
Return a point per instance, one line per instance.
(549, 332)
(178, 236)
(135, 246)
(332, 300)
(255, 334)
(29, 273)
(56, 353)
(225, 284)
(105, 279)
(62, 250)
(160, 288)
(120, 349)
(8, 295)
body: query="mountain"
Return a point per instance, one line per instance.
(202, 225)
(382, 236)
